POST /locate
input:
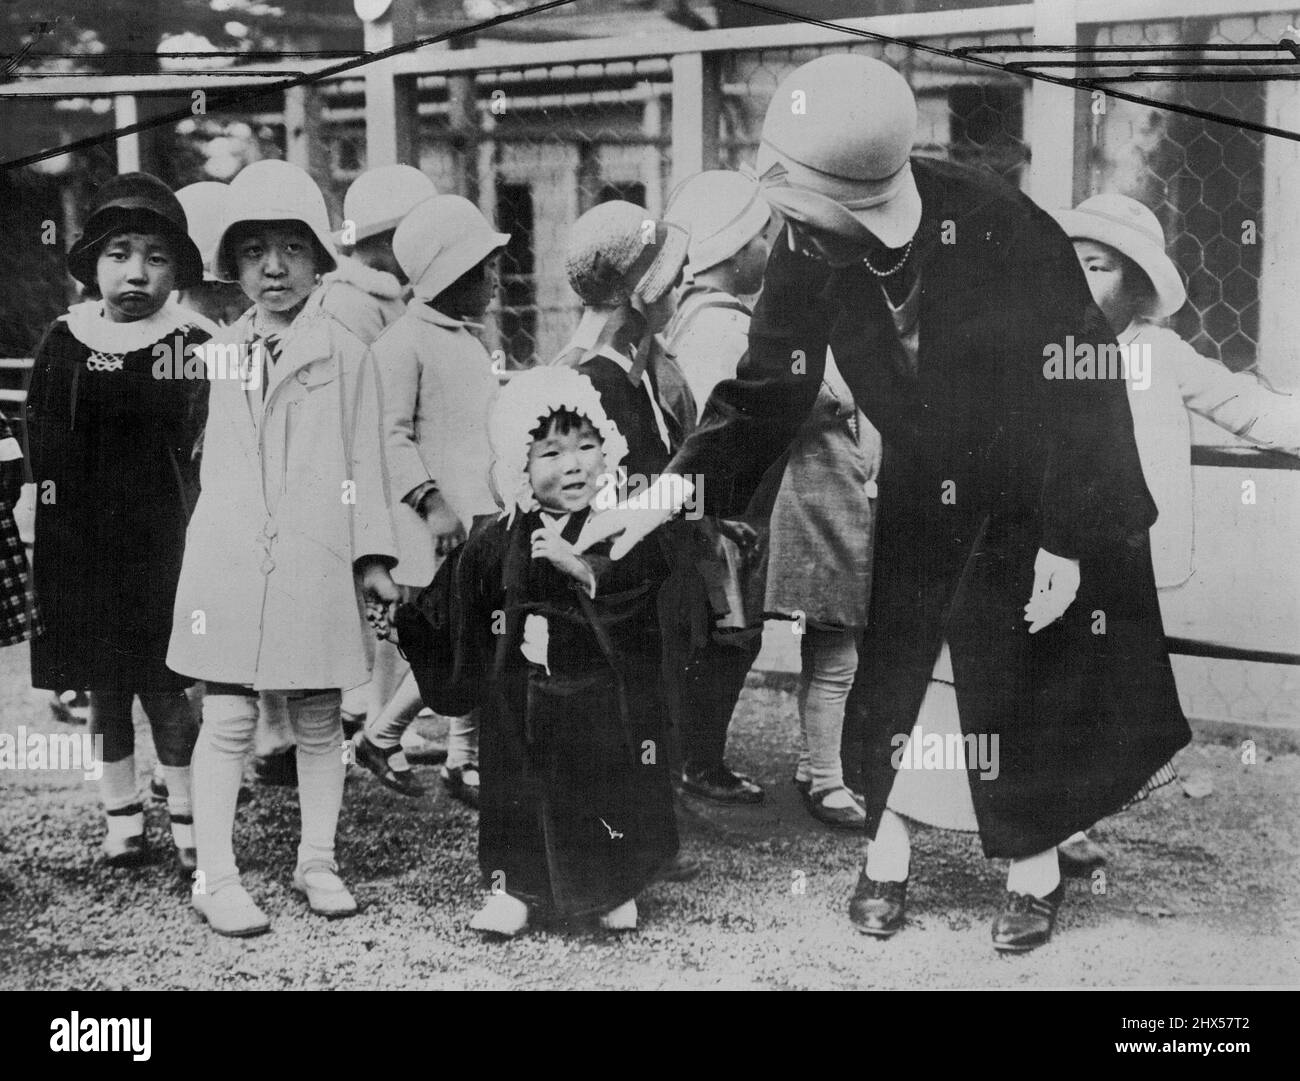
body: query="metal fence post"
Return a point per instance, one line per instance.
(1278, 229)
(697, 99)
(125, 113)
(1050, 119)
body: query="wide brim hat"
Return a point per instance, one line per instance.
(722, 211)
(273, 192)
(617, 251)
(380, 198)
(137, 203)
(523, 403)
(441, 239)
(1134, 231)
(835, 147)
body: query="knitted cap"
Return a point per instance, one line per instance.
(380, 198)
(523, 403)
(722, 211)
(205, 210)
(135, 202)
(617, 250)
(439, 240)
(273, 191)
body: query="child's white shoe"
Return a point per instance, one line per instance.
(231, 911)
(501, 915)
(622, 918)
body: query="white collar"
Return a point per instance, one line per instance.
(90, 326)
(378, 283)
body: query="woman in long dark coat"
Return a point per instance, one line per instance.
(998, 485)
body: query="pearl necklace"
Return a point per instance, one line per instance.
(892, 270)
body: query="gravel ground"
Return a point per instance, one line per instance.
(1198, 892)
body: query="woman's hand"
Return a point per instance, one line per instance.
(380, 594)
(1056, 581)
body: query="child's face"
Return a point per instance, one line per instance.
(135, 273)
(565, 470)
(1103, 266)
(277, 267)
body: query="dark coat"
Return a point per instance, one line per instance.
(576, 808)
(1083, 719)
(111, 454)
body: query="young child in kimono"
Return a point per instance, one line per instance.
(562, 652)
(1121, 247)
(291, 524)
(111, 420)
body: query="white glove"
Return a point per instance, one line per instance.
(632, 521)
(1056, 581)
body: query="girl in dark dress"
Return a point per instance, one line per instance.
(111, 423)
(561, 655)
(18, 620)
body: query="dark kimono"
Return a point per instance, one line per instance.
(986, 460)
(111, 451)
(576, 806)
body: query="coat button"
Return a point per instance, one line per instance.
(871, 489)
(302, 377)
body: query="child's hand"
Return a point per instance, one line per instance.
(443, 523)
(380, 618)
(549, 545)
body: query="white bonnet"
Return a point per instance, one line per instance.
(524, 402)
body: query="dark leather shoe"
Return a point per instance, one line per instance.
(1026, 921)
(722, 786)
(1080, 856)
(838, 818)
(375, 759)
(459, 786)
(876, 908)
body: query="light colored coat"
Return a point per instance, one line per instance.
(1183, 379)
(363, 299)
(267, 596)
(438, 387)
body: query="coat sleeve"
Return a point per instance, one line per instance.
(749, 420)
(401, 375)
(1237, 401)
(1093, 496)
(372, 524)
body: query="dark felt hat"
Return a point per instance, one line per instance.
(135, 202)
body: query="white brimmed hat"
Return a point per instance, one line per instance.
(835, 145)
(722, 210)
(273, 191)
(617, 251)
(524, 402)
(439, 240)
(380, 198)
(205, 211)
(1134, 231)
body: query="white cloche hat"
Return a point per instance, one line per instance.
(274, 191)
(439, 240)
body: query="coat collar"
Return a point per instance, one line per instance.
(378, 283)
(420, 309)
(90, 326)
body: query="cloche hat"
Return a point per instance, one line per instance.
(441, 239)
(834, 149)
(135, 202)
(205, 210)
(273, 191)
(721, 210)
(1132, 230)
(381, 197)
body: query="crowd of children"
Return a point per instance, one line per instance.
(357, 465)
